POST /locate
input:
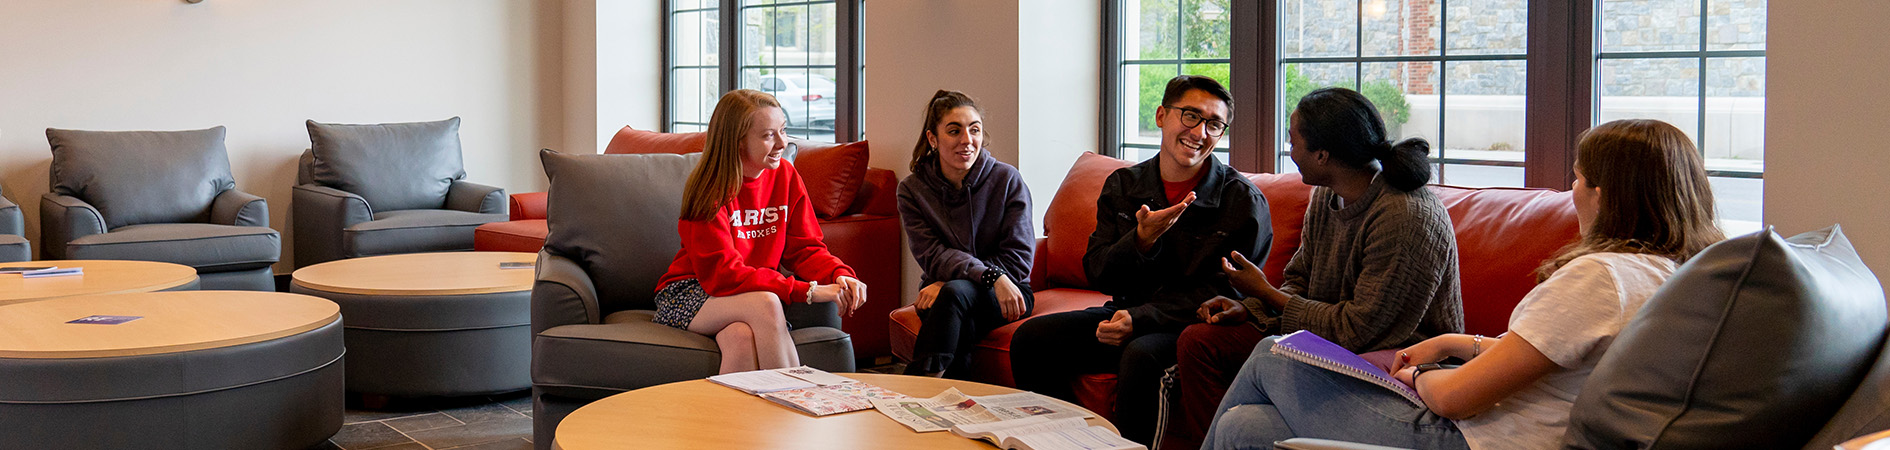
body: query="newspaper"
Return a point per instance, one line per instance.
(952, 407)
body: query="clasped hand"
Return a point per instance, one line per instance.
(849, 292)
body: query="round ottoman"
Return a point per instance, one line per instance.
(195, 369)
(100, 277)
(431, 324)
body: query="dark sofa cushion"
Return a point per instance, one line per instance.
(615, 215)
(1754, 343)
(394, 166)
(139, 177)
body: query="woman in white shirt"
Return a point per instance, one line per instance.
(1644, 206)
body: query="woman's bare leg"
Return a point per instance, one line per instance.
(761, 311)
(737, 343)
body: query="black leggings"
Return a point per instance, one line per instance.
(961, 315)
(1048, 352)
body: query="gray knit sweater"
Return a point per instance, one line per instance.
(1378, 273)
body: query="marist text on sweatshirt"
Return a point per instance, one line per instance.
(769, 225)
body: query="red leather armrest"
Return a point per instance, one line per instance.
(1039, 268)
(528, 206)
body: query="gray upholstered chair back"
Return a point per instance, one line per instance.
(615, 216)
(138, 177)
(394, 166)
(1754, 343)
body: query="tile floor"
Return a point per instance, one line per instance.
(498, 422)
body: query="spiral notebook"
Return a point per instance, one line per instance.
(1303, 346)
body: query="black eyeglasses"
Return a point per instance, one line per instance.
(1191, 118)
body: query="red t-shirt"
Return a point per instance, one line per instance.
(770, 224)
(1178, 190)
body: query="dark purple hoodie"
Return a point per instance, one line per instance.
(957, 233)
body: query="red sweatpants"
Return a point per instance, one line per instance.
(1207, 357)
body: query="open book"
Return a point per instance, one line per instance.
(1303, 346)
(807, 389)
(1044, 433)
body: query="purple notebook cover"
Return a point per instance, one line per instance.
(1306, 347)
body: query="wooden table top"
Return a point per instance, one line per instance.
(700, 414)
(447, 273)
(171, 322)
(101, 277)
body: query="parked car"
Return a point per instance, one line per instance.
(807, 99)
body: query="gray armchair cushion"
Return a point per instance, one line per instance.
(394, 166)
(11, 221)
(321, 214)
(615, 216)
(474, 197)
(138, 177)
(207, 247)
(64, 218)
(1754, 343)
(415, 231)
(566, 358)
(14, 248)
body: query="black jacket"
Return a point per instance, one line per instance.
(1162, 288)
(957, 233)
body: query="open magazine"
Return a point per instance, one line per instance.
(807, 389)
(1043, 433)
(953, 408)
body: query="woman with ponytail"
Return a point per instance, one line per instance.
(1376, 267)
(967, 216)
(1644, 206)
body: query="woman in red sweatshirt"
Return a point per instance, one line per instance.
(745, 218)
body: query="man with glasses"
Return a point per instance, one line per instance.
(1162, 227)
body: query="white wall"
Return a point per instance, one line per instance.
(262, 67)
(1827, 122)
(1034, 69)
(628, 68)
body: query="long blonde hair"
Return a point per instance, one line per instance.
(1655, 197)
(719, 176)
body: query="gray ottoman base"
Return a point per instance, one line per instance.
(435, 345)
(258, 279)
(280, 394)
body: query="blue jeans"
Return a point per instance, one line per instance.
(1275, 399)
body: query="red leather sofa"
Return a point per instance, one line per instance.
(856, 206)
(1503, 234)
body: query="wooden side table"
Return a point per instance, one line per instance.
(101, 277)
(700, 414)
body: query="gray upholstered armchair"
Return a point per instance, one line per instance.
(613, 233)
(156, 196)
(365, 190)
(13, 245)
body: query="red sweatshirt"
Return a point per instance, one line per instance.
(770, 224)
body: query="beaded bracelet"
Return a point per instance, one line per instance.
(991, 275)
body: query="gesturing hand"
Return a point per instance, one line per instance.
(1151, 224)
(1116, 329)
(1222, 311)
(1244, 275)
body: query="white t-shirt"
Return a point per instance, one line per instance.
(1571, 318)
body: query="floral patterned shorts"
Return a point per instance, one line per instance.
(678, 302)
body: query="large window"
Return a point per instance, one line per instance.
(1449, 71)
(794, 50)
(1166, 38)
(1699, 65)
(1501, 88)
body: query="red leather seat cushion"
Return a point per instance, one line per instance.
(1287, 197)
(1503, 235)
(631, 140)
(833, 174)
(512, 236)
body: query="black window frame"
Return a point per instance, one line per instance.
(847, 58)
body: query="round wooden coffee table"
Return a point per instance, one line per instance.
(263, 367)
(700, 414)
(431, 324)
(101, 277)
